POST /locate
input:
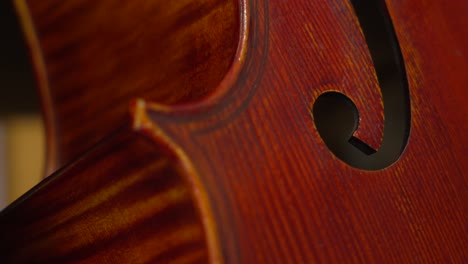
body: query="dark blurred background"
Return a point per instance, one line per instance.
(21, 128)
(18, 94)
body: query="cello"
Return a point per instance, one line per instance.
(246, 131)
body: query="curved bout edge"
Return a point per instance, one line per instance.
(142, 123)
(183, 54)
(133, 198)
(42, 84)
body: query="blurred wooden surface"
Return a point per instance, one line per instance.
(272, 190)
(126, 201)
(137, 46)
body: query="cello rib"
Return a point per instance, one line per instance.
(102, 55)
(229, 138)
(128, 200)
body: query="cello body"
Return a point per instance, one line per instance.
(204, 132)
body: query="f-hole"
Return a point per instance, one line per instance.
(336, 116)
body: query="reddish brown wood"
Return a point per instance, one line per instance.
(102, 210)
(141, 48)
(276, 193)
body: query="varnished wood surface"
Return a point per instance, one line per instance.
(102, 210)
(140, 48)
(290, 199)
(277, 193)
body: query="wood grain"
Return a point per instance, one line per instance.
(277, 194)
(291, 200)
(126, 201)
(170, 52)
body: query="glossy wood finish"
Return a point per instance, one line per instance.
(168, 52)
(101, 210)
(277, 194)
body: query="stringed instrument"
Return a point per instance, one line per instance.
(246, 131)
